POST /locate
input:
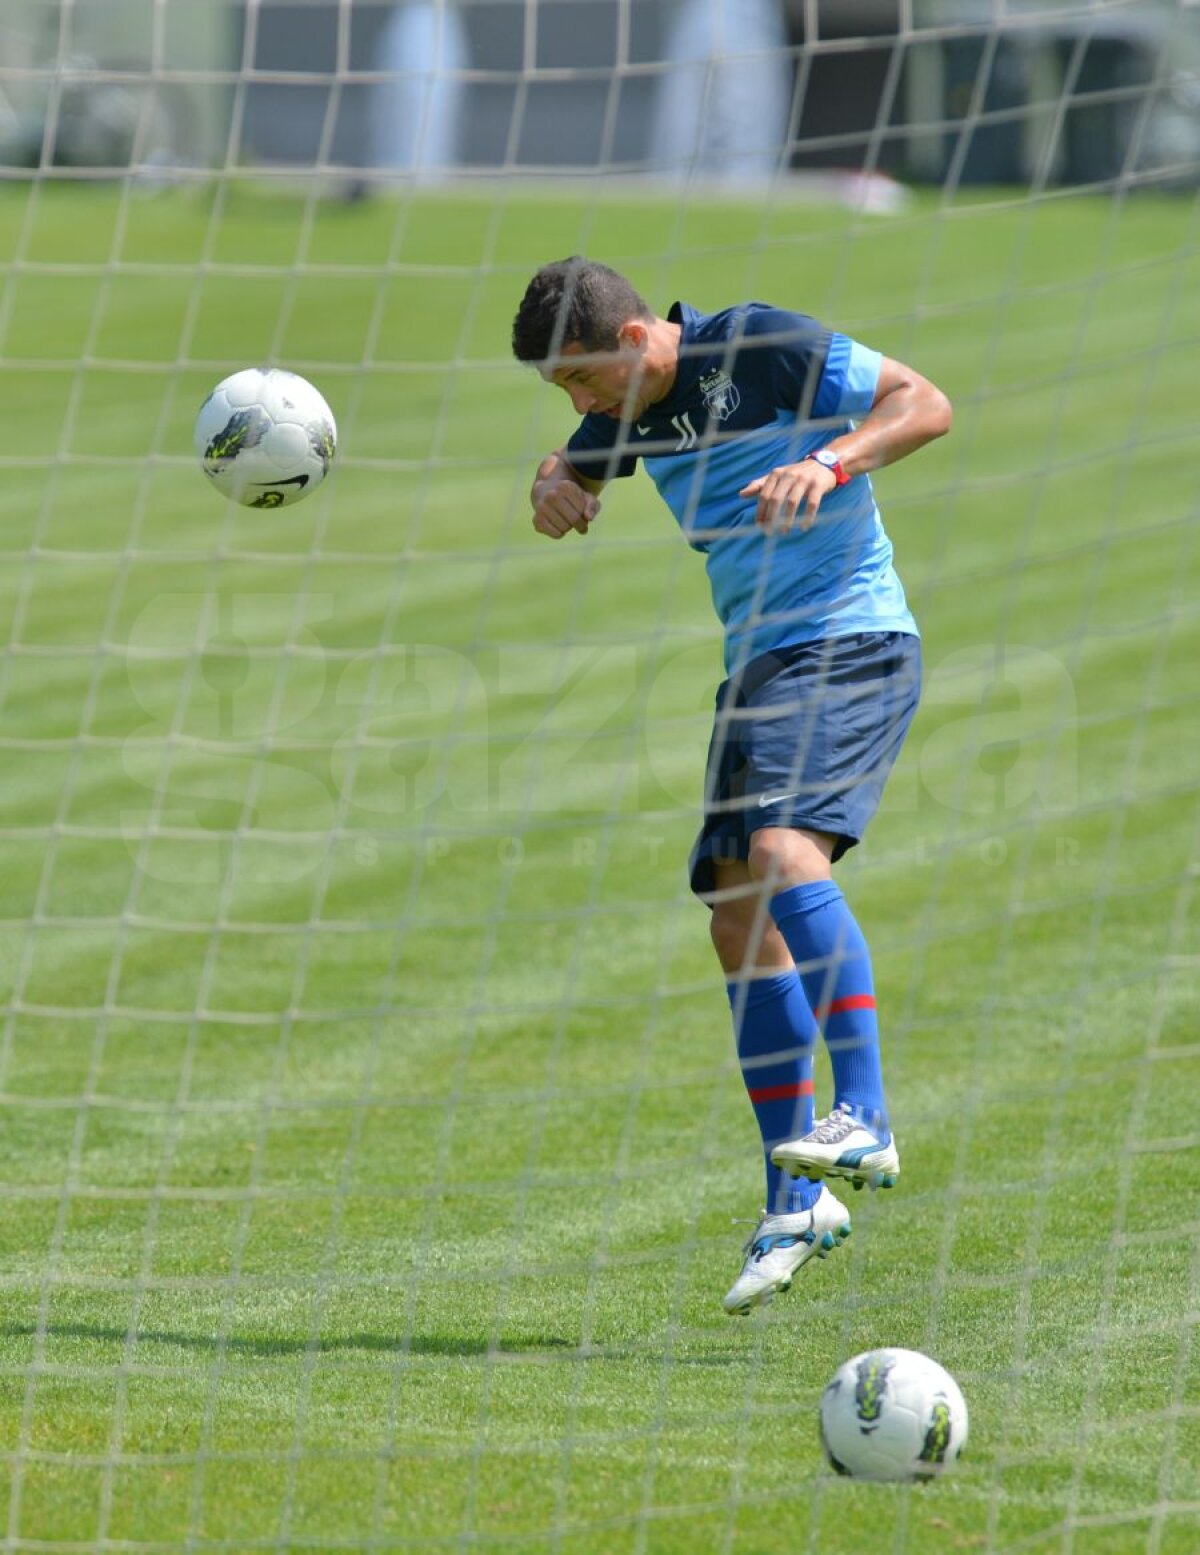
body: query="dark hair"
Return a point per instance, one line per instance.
(573, 302)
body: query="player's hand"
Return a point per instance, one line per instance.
(790, 495)
(560, 506)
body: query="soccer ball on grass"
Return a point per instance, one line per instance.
(892, 1415)
(265, 437)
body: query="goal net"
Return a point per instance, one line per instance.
(373, 1131)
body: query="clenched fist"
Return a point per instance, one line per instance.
(560, 506)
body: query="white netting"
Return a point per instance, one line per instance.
(371, 1119)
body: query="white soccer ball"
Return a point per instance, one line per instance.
(265, 437)
(892, 1415)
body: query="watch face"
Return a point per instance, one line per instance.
(826, 458)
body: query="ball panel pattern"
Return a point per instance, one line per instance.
(265, 437)
(892, 1414)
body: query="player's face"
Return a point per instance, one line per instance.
(604, 383)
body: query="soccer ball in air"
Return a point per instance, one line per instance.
(892, 1415)
(265, 437)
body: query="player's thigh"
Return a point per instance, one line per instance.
(743, 931)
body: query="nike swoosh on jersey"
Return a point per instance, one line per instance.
(645, 431)
(766, 799)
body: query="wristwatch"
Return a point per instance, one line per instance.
(830, 460)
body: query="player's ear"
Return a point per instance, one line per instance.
(633, 333)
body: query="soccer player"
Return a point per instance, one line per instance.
(758, 427)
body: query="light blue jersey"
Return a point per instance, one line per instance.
(759, 387)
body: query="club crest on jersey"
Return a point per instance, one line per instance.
(720, 394)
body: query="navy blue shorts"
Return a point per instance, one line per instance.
(805, 736)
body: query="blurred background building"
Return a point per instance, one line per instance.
(725, 89)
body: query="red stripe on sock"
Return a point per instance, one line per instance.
(854, 1001)
(780, 1092)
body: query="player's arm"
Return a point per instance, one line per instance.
(907, 412)
(562, 498)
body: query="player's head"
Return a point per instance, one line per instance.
(585, 328)
(574, 302)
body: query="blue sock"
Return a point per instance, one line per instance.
(834, 964)
(776, 1035)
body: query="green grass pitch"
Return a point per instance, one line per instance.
(371, 1135)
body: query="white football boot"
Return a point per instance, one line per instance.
(782, 1245)
(841, 1146)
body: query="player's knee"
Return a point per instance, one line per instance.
(782, 857)
(774, 856)
(730, 928)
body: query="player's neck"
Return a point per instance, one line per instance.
(662, 359)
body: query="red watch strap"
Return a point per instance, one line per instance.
(833, 465)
